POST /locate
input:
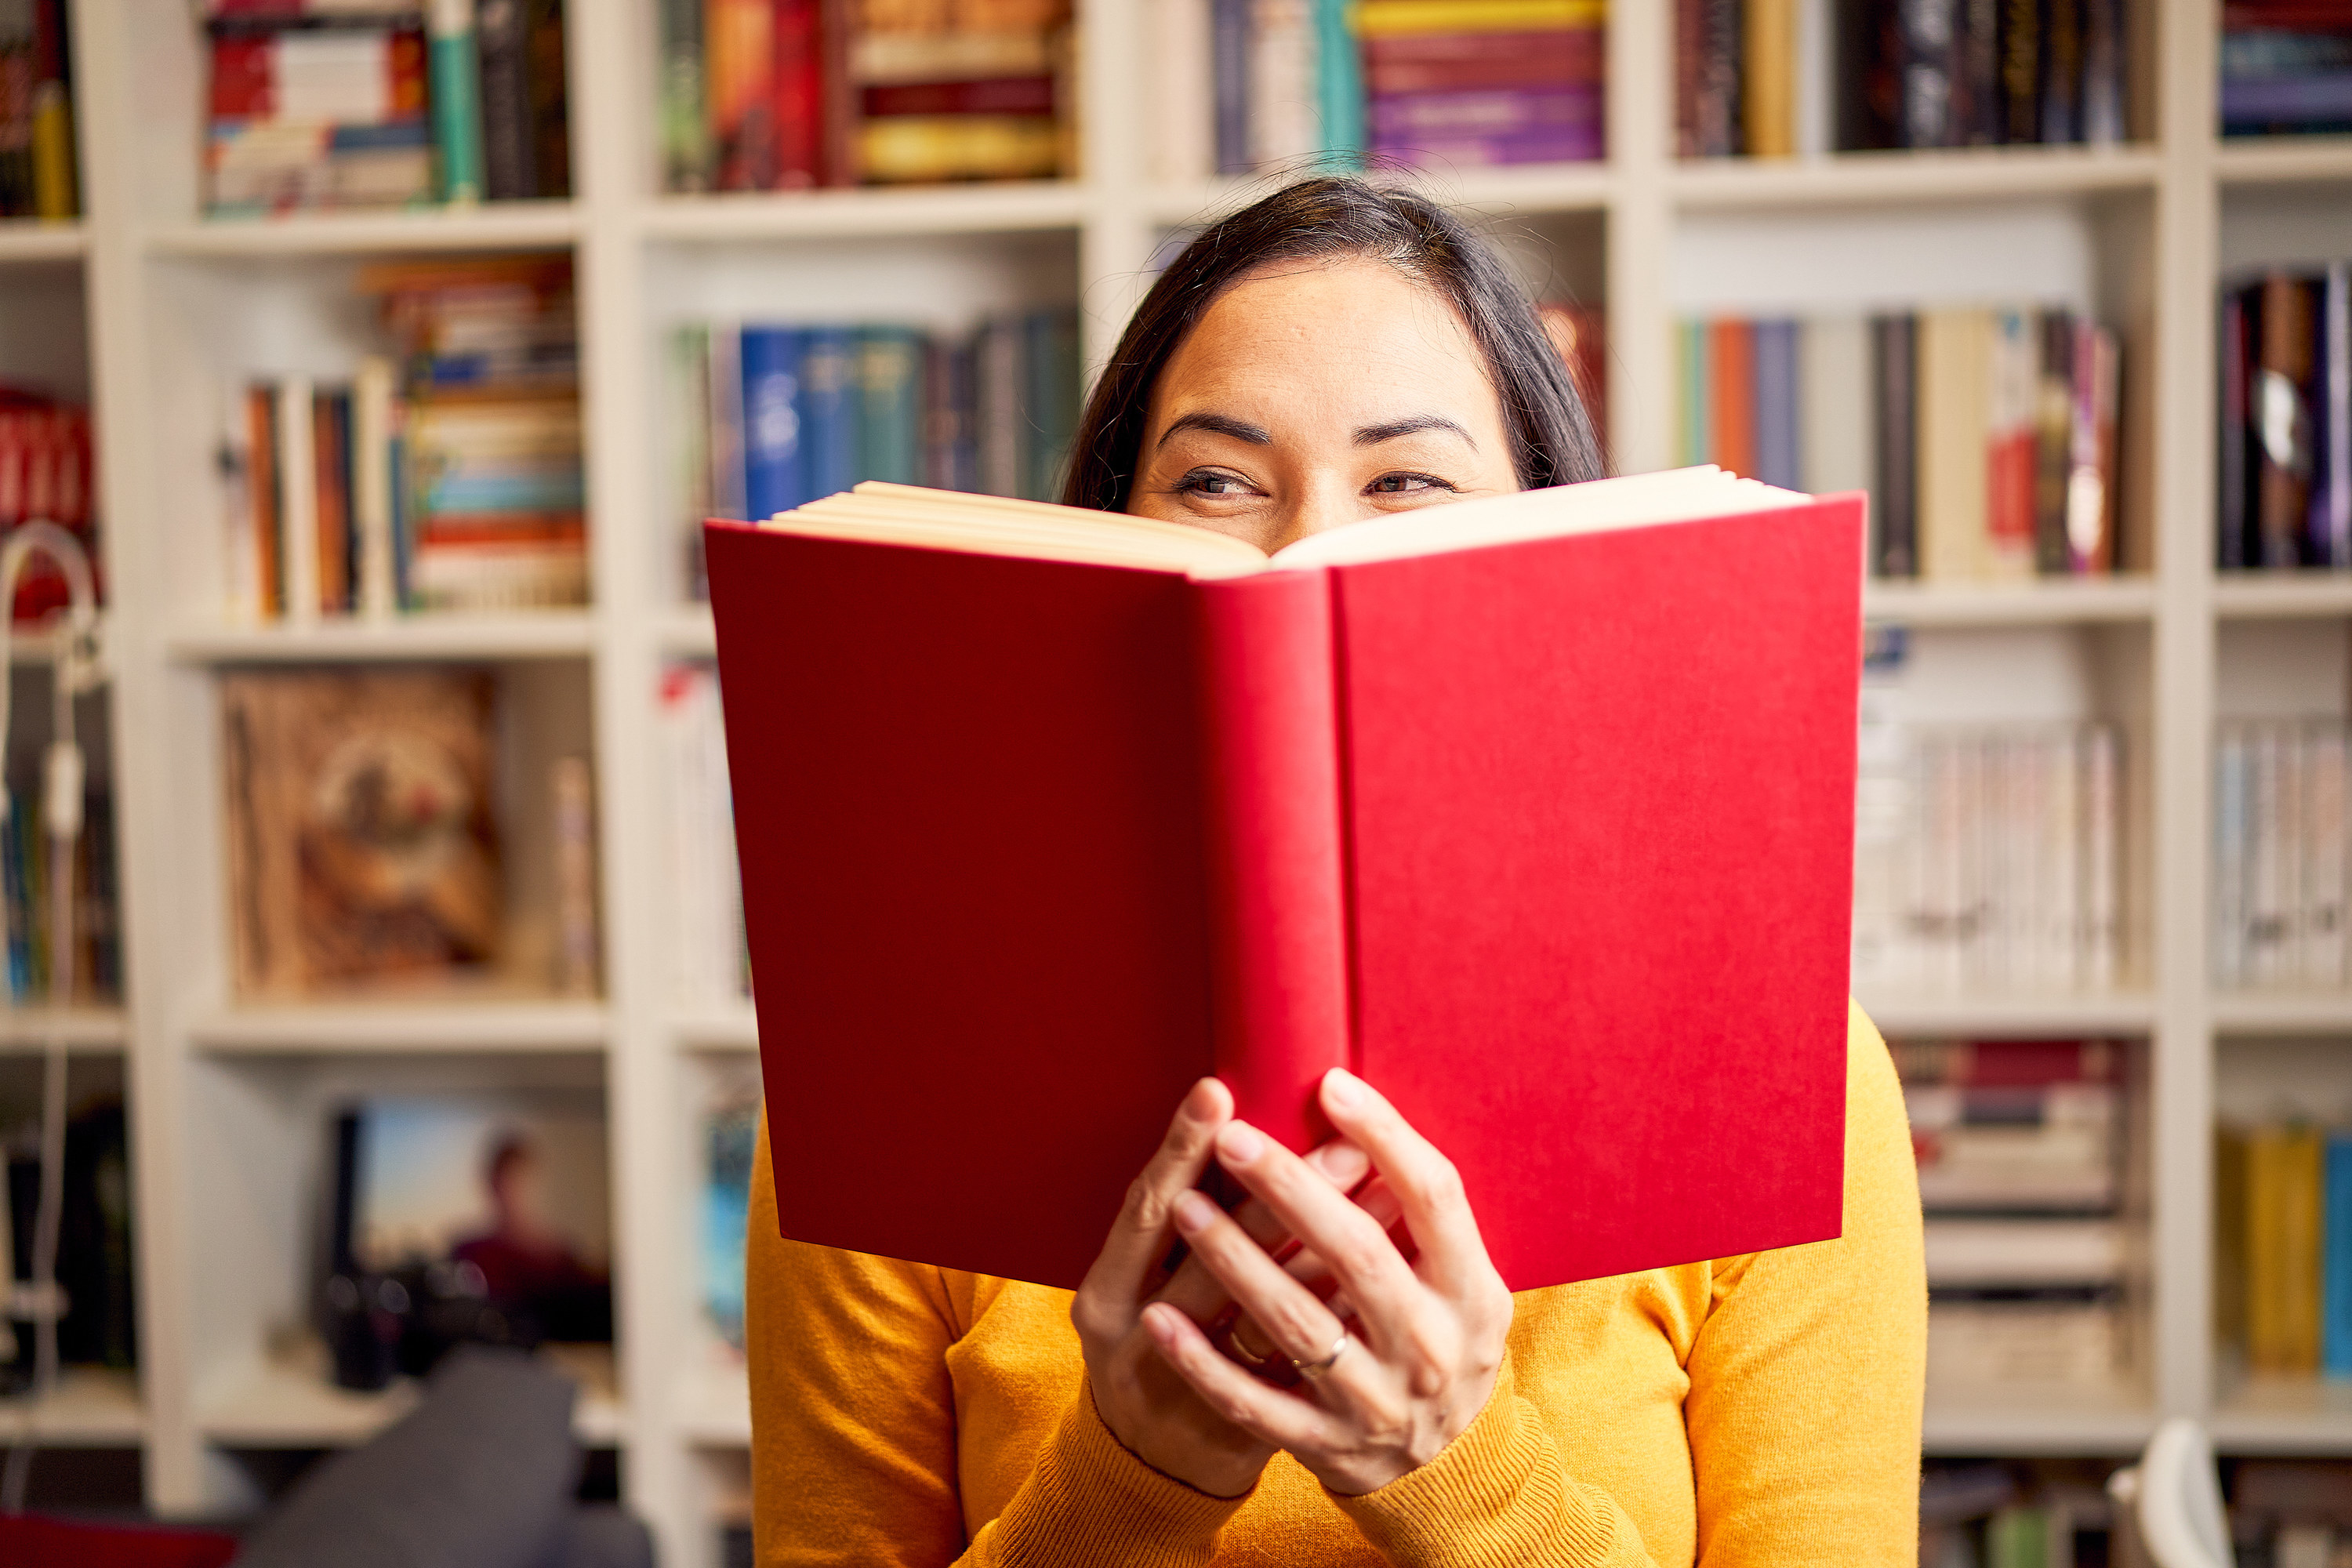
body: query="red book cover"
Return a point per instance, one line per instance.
(1550, 841)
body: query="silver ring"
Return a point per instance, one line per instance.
(1315, 1369)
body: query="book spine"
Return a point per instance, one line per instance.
(298, 523)
(1339, 83)
(1688, 33)
(1183, 91)
(232, 463)
(330, 468)
(2062, 70)
(1816, 85)
(500, 42)
(371, 401)
(1230, 61)
(2324, 823)
(1731, 414)
(800, 94)
(2010, 452)
(2102, 860)
(1976, 115)
(1927, 73)
(1051, 400)
(996, 374)
(740, 50)
(1277, 875)
(2060, 859)
(2053, 447)
(775, 437)
(1719, 112)
(839, 163)
(2231, 853)
(1281, 83)
(2021, 71)
(2266, 895)
(457, 102)
(1777, 460)
(1767, 89)
(685, 121)
(1953, 398)
(2336, 1260)
(889, 425)
(572, 809)
(548, 85)
(2091, 510)
(828, 411)
(1895, 344)
(2336, 358)
(2103, 117)
(730, 478)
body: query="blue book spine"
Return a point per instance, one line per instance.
(829, 409)
(2335, 1259)
(775, 465)
(1775, 403)
(1339, 83)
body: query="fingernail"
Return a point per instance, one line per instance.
(1343, 1088)
(1240, 1144)
(1193, 1212)
(1200, 1103)
(1343, 1164)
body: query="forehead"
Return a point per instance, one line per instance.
(1352, 325)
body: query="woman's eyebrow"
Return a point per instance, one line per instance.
(1216, 424)
(1413, 425)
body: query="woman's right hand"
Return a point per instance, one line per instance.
(1148, 1406)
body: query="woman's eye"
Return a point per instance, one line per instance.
(1405, 484)
(1207, 482)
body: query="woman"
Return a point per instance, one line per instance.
(1332, 353)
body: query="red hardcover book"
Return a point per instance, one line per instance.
(1451, 62)
(1537, 812)
(800, 95)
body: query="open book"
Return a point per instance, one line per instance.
(1537, 812)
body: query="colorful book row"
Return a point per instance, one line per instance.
(1987, 438)
(2286, 67)
(2279, 855)
(39, 171)
(2282, 1206)
(396, 104)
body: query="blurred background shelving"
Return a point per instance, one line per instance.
(146, 309)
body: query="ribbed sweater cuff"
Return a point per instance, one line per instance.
(1091, 1501)
(1496, 1495)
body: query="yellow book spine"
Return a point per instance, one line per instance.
(1954, 350)
(1377, 18)
(895, 149)
(2283, 1242)
(54, 197)
(1768, 95)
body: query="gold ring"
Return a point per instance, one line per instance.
(1240, 1353)
(1316, 1369)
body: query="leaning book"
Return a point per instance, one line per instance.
(1537, 812)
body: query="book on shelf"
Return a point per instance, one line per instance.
(1988, 859)
(2279, 855)
(730, 1139)
(2021, 1153)
(28, 867)
(49, 472)
(1991, 433)
(40, 173)
(765, 95)
(1259, 86)
(711, 967)
(770, 417)
(2286, 67)
(395, 104)
(2285, 466)
(1079, 776)
(94, 1268)
(2283, 1251)
(362, 841)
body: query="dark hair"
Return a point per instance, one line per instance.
(1326, 219)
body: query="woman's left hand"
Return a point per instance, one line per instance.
(1382, 1392)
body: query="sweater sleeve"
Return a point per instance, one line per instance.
(1808, 1375)
(854, 1431)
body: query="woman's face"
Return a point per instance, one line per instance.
(1317, 394)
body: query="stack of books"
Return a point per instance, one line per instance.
(713, 970)
(1987, 438)
(1487, 82)
(37, 177)
(28, 867)
(1778, 78)
(48, 473)
(2286, 420)
(492, 508)
(764, 95)
(2291, 1512)
(385, 105)
(1986, 859)
(2020, 1145)
(2279, 856)
(775, 416)
(2282, 1254)
(2286, 67)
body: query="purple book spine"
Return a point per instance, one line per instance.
(1497, 112)
(1545, 144)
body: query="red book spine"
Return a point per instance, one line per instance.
(800, 94)
(837, 106)
(997, 94)
(1733, 389)
(1278, 934)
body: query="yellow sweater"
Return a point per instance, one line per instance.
(1760, 1409)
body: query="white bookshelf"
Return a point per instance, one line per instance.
(155, 308)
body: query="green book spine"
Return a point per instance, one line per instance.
(1052, 402)
(890, 415)
(684, 125)
(1339, 83)
(1694, 391)
(455, 79)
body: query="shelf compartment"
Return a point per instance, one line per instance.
(93, 1408)
(827, 214)
(394, 1026)
(718, 1029)
(83, 1028)
(2056, 1424)
(2257, 159)
(546, 634)
(1965, 174)
(281, 1406)
(2273, 1415)
(32, 239)
(2028, 1018)
(501, 225)
(2041, 602)
(2260, 595)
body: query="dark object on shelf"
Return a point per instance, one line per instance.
(1893, 363)
(1955, 73)
(2286, 67)
(100, 1327)
(481, 1474)
(2285, 470)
